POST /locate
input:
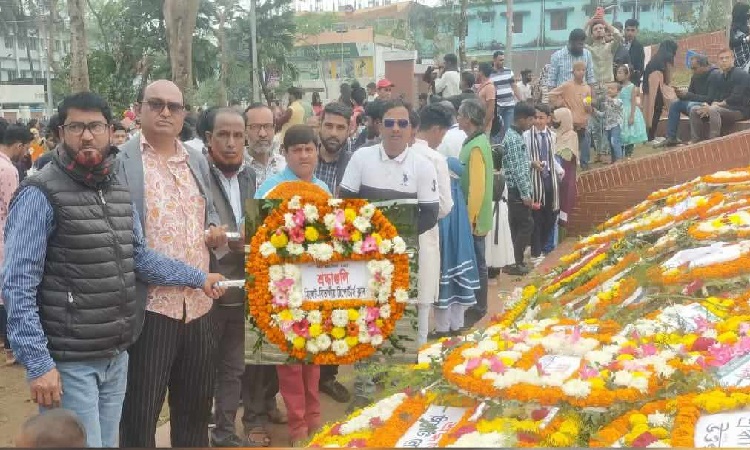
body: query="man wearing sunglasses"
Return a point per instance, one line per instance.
(170, 186)
(391, 170)
(74, 248)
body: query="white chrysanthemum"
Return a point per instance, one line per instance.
(487, 345)
(295, 299)
(289, 221)
(275, 273)
(384, 295)
(712, 334)
(295, 249)
(311, 213)
(576, 388)
(340, 318)
(334, 202)
(399, 246)
(338, 247)
(323, 341)
(658, 420)
(363, 337)
(295, 202)
(460, 369)
(623, 378)
(381, 410)
(312, 346)
(385, 246)
(640, 383)
(320, 252)
(340, 347)
(314, 316)
(599, 357)
(362, 224)
(376, 340)
(357, 248)
(297, 314)
(329, 220)
(471, 352)
(367, 211)
(385, 311)
(659, 444)
(267, 249)
(476, 439)
(401, 296)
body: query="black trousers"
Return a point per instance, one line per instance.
(230, 367)
(658, 108)
(544, 221)
(328, 373)
(521, 224)
(176, 355)
(260, 384)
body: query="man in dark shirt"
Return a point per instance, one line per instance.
(635, 51)
(727, 109)
(697, 94)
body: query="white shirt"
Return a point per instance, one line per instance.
(232, 189)
(196, 144)
(443, 175)
(453, 142)
(449, 84)
(372, 174)
(525, 91)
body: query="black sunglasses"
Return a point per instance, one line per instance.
(390, 123)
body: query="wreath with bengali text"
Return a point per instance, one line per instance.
(335, 240)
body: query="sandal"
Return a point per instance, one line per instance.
(258, 437)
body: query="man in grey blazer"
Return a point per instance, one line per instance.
(170, 187)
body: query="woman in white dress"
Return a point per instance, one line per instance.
(499, 246)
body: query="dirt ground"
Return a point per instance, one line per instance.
(15, 406)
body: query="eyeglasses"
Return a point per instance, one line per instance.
(256, 127)
(78, 128)
(390, 123)
(157, 105)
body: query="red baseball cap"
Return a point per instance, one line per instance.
(384, 83)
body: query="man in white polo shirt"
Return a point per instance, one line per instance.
(391, 170)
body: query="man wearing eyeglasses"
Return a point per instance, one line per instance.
(391, 170)
(170, 186)
(74, 248)
(260, 128)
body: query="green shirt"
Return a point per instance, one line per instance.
(483, 223)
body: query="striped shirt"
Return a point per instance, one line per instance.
(503, 80)
(561, 67)
(31, 222)
(8, 186)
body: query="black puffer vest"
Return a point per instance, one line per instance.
(87, 303)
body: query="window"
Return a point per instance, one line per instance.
(486, 17)
(10, 42)
(645, 8)
(58, 45)
(558, 20)
(683, 12)
(517, 23)
(627, 8)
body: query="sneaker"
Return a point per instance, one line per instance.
(230, 441)
(536, 261)
(335, 390)
(493, 272)
(518, 270)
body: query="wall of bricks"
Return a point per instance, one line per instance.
(607, 191)
(709, 44)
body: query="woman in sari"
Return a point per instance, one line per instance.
(459, 277)
(657, 92)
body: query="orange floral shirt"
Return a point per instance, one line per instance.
(175, 227)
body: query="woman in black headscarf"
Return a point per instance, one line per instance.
(656, 85)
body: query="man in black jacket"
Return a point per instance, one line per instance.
(727, 108)
(705, 76)
(635, 48)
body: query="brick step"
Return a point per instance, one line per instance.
(683, 130)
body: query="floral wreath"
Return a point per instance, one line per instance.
(669, 423)
(309, 227)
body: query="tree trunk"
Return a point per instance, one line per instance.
(51, 35)
(222, 36)
(179, 18)
(463, 27)
(509, 35)
(79, 67)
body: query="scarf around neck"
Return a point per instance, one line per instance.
(94, 177)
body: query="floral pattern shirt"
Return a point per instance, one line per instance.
(276, 163)
(175, 227)
(8, 186)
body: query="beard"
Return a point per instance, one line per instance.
(332, 145)
(228, 168)
(261, 147)
(575, 52)
(89, 157)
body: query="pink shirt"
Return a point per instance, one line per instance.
(8, 186)
(175, 221)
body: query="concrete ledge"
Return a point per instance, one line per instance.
(607, 191)
(683, 130)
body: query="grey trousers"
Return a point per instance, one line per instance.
(717, 116)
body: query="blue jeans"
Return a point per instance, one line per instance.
(95, 391)
(506, 114)
(673, 120)
(584, 147)
(614, 136)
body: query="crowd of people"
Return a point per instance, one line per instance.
(117, 231)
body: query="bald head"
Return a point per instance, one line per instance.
(162, 112)
(54, 428)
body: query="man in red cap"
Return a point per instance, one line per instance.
(384, 89)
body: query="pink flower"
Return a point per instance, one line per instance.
(473, 363)
(357, 443)
(464, 430)
(369, 245)
(692, 288)
(299, 218)
(302, 328)
(336, 430)
(702, 344)
(632, 366)
(744, 328)
(497, 366)
(628, 351)
(587, 372)
(340, 232)
(648, 349)
(576, 336)
(376, 422)
(721, 355)
(743, 345)
(284, 284)
(280, 300)
(286, 326)
(539, 369)
(372, 314)
(297, 235)
(702, 324)
(644, 440)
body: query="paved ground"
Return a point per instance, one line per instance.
(15, 406)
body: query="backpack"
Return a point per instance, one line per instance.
(498, 184)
